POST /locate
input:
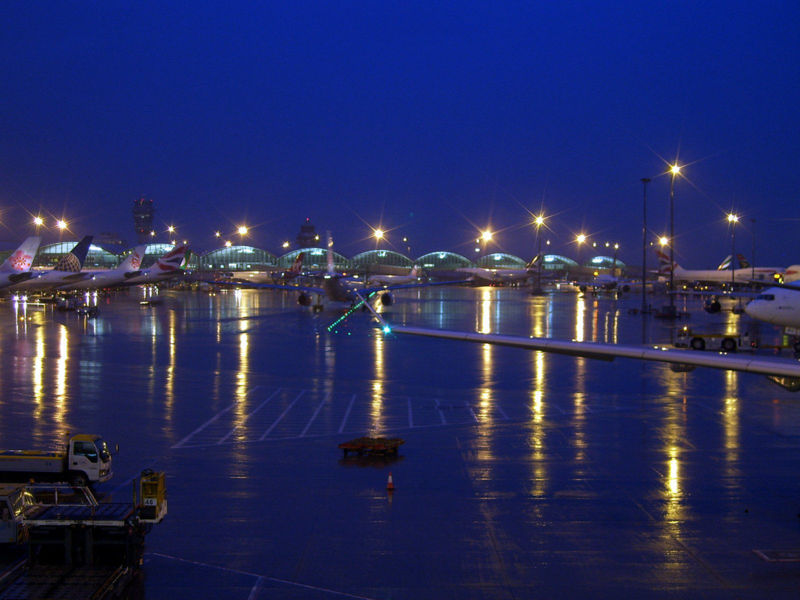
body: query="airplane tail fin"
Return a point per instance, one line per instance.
(73, 261)
(297, 265)
(664, 263)
(792, 273)
(133, 261)
(534, 261)
(173, 260)
(21, 259)
(726, 263)
(331, 269)
(743, 262)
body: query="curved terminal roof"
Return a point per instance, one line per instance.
(381, 257)
(237, 258)
(314, 259)
(443, 260)
(97, 258)
(501, 260)
(606, 262)
(556, 261)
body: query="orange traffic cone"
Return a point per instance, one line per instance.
(390, 483)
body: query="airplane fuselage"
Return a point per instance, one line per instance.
(779, 306)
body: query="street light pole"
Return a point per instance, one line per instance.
(645, 181)
(539, 222)
(733, 219)
(675, 169)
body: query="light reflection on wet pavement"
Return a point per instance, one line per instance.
(522, 474)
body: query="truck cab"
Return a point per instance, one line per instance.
(89, 459)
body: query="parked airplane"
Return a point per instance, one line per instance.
(246, 277)
(779, 305)
(394, 279)
(499, 276)
(335, 287)
(168, 266)
(68, 270)
(113, 277)
(719, 276)
(17, 267)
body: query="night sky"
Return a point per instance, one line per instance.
(431, 119)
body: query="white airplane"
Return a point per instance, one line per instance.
(245, 277)
(112, 277)
(779, 305)
(412, 276)
(720, 276)
(68, 270)
(17, 267)
(499, 276)
(168, 266)
(605, 282)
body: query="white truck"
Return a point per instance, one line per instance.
(85, 460)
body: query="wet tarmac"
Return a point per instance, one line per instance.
(523, 474)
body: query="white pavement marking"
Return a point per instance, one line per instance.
(283, 414)
(314, 416)
(210, 421)
(441, 414)
(347, 413)
(410, 415)
(258, 577)
(256, 586)
(502, 412)
(247, 416)
(472, 412)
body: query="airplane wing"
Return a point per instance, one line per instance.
(784, 372)
(405, 286)
(269, 286)
(748, 364)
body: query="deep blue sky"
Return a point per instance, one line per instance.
(432, 119)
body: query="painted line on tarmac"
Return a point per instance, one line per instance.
(209, 422)
(259, 578)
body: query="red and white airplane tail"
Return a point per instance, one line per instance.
(21, 259)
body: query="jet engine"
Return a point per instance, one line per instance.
(387, 299)
(304, 299)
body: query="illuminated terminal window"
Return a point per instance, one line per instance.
(381, 257)
(443, 260)
(501, 260)
(606, 262)
(556, 262)
(314, 259)
(237, 258)
(97, 258)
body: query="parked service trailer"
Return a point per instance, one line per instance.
(372, 445)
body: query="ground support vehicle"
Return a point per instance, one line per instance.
(726, 342)
(74, 546)
(372, 445)
(85, 459)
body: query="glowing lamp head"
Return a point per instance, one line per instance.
(675, 169)
(486, 236)
(228, 243)
(539, 221)
(171, 229)
(38, 221)
(241, 230)
(387, 330)
(663, 240)
(61, 224)
(580, 238)
(378, 233)
(733, 218)
(217, 234)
